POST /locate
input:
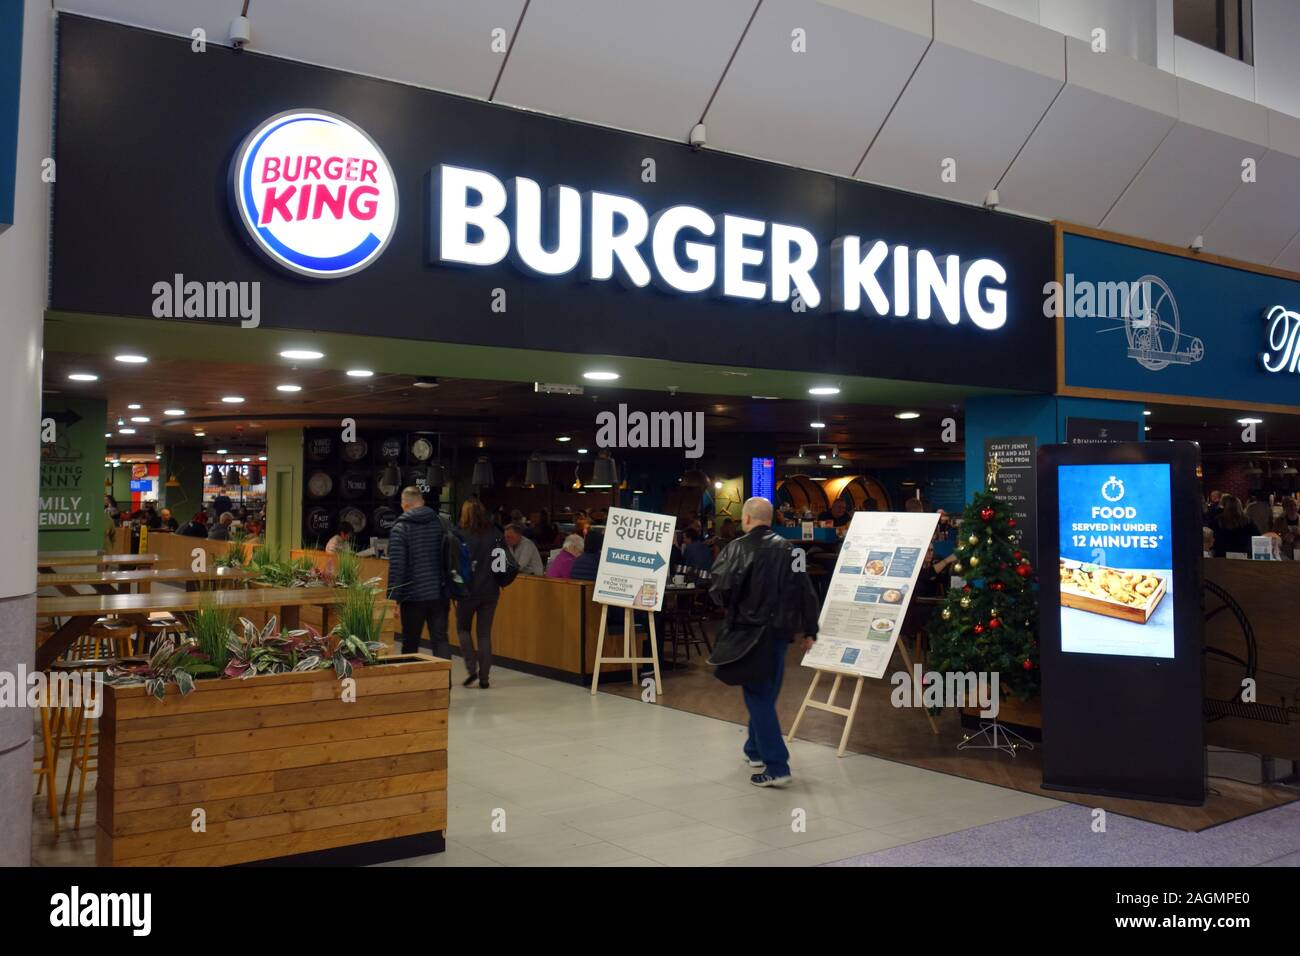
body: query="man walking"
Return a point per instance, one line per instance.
(755, 580)
(415, 574)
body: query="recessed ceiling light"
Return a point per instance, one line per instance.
(816, 424)
(360, 372)
(837, 466)
(131, 359)
(108, 434)
(173, 411)
(717, 485)
(599, 376)
(221, 451)
(302, 355)
(906, 416)
(823, 390)
(232, 399)
(83, 377)
(582, 451)
(140, 418)
(1250, 421)
(1147, 428)
(426, 381)
(765, 398)
(1146, 411)
(246, 459)
(126, 431)
(200, 434)
(261, 458)
(821, 457)
(135, 406)
(919, 451)
(564, 438)
(288, 388)
(230, 461)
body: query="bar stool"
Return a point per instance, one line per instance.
(85, 735)
(46, 769)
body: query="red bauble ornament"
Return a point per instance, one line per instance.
(997, 585)
(986, 514)
(1011, 522)
(1024, 570)
(1028, 665)
(1017, 555)
(966, 587)
(979, 629)
(995, 623)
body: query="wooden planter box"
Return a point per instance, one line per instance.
(282, 767)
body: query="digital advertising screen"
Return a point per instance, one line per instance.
(762, 478)
(1116, 559)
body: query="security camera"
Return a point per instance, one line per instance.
(992, 200)
(698, 139)
(1198, 244)
(241, 32)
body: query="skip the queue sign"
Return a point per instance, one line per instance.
(634, 562)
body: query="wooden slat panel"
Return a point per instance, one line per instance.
(207, 768)
(257, 695)
(239, 808)
(196, 792)
(270, 738)
(163, 727)
(277, 824)
(412, 665)
(294, 843)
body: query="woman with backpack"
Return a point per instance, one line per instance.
(481, 539)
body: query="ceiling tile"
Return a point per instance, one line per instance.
(1262, 217)
(648, 67)
(820, 108)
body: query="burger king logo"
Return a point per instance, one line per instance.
(315, 193)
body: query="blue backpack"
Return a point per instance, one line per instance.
(458, 564)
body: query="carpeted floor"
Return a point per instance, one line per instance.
(905, 736)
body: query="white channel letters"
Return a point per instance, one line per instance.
(693, 251)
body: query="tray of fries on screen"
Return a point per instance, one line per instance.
(1128, 595)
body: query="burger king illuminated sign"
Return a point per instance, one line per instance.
(315, 193)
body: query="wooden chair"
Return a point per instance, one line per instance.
(46, 769)
(84, 731)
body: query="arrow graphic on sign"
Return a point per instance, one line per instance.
(638, 559)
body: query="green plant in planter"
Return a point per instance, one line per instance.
(305, 573)
(347, 568)
(209, 630)
(170, 663)
(358, 628)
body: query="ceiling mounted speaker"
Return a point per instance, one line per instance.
(535, 473)
(605, 472)
(482, 476)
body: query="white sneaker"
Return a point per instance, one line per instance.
(767, 780)
(756, 764)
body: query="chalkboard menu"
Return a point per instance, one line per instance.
(1011, 469)
(359, 483)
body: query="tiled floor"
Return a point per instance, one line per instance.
(542, 773)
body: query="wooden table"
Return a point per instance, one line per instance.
(123, 582)
(49, 560)
(83, 610)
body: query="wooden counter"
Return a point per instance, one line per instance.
(282, 768)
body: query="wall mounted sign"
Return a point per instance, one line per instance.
(537, 233)
(315, 194)
(1140, 323)
(762, 478)
(1099, 431)
(1120, 622)
(1015, 481)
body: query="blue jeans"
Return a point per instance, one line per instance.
(765, 741)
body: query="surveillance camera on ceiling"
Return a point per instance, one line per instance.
(698, 138)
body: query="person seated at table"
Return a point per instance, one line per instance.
(167, 522)
(838, 514)
(561, 565)
(585, 565)
(221, 531)
(1285, 536)
(341, 541)
(1207, 542)
(526, 554)
(696, 554)
(196, 527)
(1232, 528)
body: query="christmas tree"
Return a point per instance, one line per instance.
(990, 625)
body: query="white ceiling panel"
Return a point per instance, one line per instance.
(1290, 257)
(963, 106)
(1092, 142)
(1196, 169)
(819, 108)
(441, 44)
(644, 66)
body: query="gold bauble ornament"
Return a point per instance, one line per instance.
(947, 614)
(957, 568)
(965, 602)
(993, 612)
(974, 539)
(974, 561)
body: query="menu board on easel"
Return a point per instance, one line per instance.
(873, 584)
(633, 570)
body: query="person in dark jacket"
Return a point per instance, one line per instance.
(585, 565)
(754, 578)
(415, 573)
(196, 527)
(482, 538)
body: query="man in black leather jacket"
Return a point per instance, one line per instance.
(755, 579)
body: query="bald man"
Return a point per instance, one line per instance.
(768, 605)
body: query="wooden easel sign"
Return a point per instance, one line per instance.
(632, 576)
(866, 602)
